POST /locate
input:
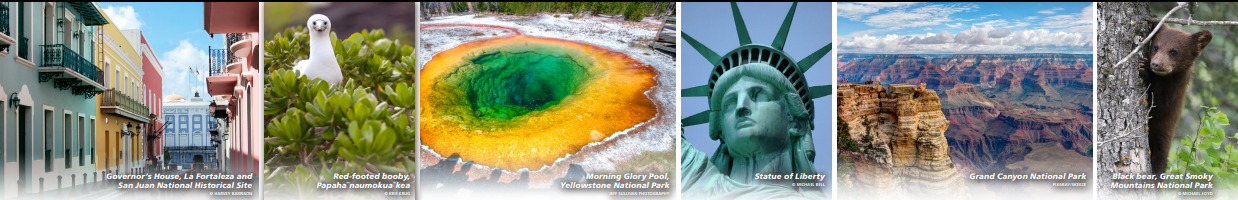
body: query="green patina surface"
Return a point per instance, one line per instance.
(506, 82)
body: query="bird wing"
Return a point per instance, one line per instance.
(301, 65)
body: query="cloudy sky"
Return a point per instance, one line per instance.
(175, 34)
(966, 27)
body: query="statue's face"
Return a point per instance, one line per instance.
(754, 122)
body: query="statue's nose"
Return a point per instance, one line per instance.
(742, 107)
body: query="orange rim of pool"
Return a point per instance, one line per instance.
(524, 102)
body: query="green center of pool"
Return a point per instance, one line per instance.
(505, 83)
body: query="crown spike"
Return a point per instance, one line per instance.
(710, 55)
(781, 39)
(812, 59)
(740, 28)
(820, 91)
(695, 119)
(698, 91)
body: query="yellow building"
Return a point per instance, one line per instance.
(120, 143)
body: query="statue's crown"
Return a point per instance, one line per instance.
(749, 52)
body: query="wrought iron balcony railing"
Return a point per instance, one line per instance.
(233, 38)
(111, 97)
(58, 55)
(219, 61)
(4, 19)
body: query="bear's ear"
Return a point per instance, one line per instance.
(1202, 38)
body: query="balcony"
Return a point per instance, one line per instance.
(222, 80)
(230, 17)
(219, 59)
(240, 46)
(70, 71)
(117, 103)
(5, 39)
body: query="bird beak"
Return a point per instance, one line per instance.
(320, 25)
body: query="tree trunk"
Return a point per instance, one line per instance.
(1121, 101)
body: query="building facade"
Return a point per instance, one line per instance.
(188, 133)
(120, 109)
(51, 88)
(152, 98)
(236, 83)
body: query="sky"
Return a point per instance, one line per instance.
(175, 34)
(713, 25)
(979, 27)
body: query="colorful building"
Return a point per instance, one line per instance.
(152, 79)
(51, 88)
(122, 114)
(188, 132)
(236, 83)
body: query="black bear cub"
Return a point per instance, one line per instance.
(1167, 71)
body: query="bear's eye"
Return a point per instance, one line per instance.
(1173, 52)
(1156, 48)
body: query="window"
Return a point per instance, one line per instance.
(92, 140)
(81, 144)
(24, 51)
(68, 139)
(48, 138)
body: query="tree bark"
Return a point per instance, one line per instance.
(1123, 115)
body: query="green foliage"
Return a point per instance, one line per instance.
(363, 125)
(844, 136)
(1207, 152)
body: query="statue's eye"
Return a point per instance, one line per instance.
(759, 95)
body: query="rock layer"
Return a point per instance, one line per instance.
(998, 104)
(900, 132)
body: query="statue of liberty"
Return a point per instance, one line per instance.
(761, 110)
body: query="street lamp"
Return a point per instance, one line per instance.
(13, 100)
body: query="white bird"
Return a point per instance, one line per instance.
(321, 62)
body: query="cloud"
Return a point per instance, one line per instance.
(177, 64)
(955, 25)
(1031, 18)
(999, 33)
(974, 40)
(930, 38)
(124, 17)
(854, 11)
(1083, 18)
(904, 17)
(993, 23)
(974, 35)
(1051, 10)
(928, 28)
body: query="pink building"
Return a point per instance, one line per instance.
(152, 77)
(235, 82)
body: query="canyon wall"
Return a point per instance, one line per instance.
(900, 144)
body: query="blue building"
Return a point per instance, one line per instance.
(49, 86)
(187, 138)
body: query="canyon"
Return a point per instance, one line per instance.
(893, 143)
(999, 106)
